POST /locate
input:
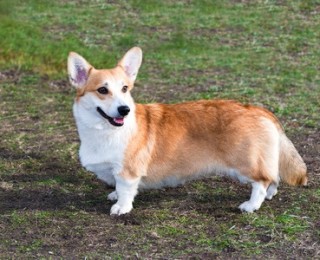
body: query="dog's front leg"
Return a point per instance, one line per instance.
(126, 190)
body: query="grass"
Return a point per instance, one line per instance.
(260, 52)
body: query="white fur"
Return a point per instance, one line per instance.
(102, 151)
(272, 191)
(174, 180)
(126, 191)
(171, 181)
(258, 195)
(113, 196)
(102, 145)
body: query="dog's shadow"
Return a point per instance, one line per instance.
(23, 192)
(57, 187)
(48, 184)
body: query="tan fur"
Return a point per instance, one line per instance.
(186, 138)
(292, 168)
(97, 78)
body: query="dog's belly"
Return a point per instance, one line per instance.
(171, 182)
(104, 172)
(180, 179)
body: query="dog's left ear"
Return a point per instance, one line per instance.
(131, 62)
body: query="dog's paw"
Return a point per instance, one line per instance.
(248, 207)
(271, 192)
(270, 196)
(116, 209)
(113, 196)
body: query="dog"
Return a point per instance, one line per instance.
(139, 146)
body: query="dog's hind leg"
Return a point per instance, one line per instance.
(272, 191)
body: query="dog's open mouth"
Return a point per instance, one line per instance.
(116, 121)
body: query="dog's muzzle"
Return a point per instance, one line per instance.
(115, 121)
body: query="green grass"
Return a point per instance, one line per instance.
(260, 52)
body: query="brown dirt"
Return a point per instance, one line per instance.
(79, 223)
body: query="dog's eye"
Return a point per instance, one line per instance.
(124, 89)
(103, 90)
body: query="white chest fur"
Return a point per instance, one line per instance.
(102, 146)
(102, 154)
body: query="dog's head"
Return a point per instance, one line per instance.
(105, 94)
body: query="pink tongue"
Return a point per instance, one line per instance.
(118, 120)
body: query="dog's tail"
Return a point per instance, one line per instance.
(292, 168)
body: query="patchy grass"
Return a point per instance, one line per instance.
(266, 53)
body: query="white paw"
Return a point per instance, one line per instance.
(116, 209)
(113, 196)
(248, 207)
(271, 193)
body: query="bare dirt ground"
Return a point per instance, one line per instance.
(51, 207)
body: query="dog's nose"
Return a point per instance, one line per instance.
(123, 110)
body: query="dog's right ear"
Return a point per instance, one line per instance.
(78, 70)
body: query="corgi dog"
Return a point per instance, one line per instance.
(135, 146)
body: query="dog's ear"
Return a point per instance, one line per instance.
(131, 62)
(78, 70)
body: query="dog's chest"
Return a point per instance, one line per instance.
(101, 153)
